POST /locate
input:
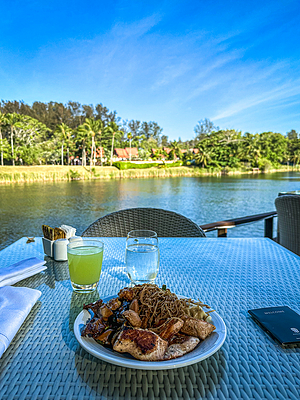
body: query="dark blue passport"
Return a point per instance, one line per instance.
(281, 323)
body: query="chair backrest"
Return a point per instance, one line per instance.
(164, 223)
(288, 211)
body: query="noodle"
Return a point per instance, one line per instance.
(157, 305)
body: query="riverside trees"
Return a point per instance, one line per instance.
(53, 133)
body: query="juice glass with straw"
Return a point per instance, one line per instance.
(85, 257)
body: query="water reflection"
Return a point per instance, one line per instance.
(25, 207)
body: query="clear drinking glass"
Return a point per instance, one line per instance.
(142, 256)
(85, 262)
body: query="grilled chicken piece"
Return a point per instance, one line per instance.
(180, 345)
(167, 330)
(141, 344)
(94, 328)
(134, 306)
(126, 294)
(197, 327)
(105, 312)
(133, 318)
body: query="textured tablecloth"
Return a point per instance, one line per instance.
(44, 361)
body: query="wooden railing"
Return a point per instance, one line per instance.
(222, 226)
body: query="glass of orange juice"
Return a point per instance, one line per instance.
(85, 257)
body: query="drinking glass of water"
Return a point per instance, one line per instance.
(142, 256)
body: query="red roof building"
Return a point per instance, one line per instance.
(125, 153)
(121, 153)
(167, 150)
(134, 151)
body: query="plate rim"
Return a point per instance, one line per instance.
(145, 365)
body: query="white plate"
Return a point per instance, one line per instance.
(204, 349)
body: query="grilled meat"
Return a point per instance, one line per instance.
(106, 312)
(141, 344)
(134, 306)
(167, 330)
(105, 337)
(94, 328)
(133, 318)
(197, 327)
(94, 307)
(114, 304)
(126, 294)
(180, 345)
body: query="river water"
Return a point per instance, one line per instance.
(25, 207)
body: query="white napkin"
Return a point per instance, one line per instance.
(15, 305)
(69, 230)
(21, 270)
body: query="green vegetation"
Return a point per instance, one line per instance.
(68, 135)
(121, 165)
(24, 174)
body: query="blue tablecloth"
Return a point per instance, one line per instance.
(44, 361)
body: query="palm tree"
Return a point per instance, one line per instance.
(11, 120)
(2, 122)
(112, 128)
(93, 127)
(176, 149)
(129, 136)
(100, 130)
(203, 157)
(296, 157)
(64, 133)
(82, 137)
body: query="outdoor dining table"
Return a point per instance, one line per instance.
(45, 361)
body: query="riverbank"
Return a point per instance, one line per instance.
(52, 173)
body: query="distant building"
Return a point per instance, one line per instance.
(133, 151)
(124, 154)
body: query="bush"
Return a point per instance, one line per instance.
(128, 165)
(264, 164)
(94, 172)
(175, 164)
(74, 175)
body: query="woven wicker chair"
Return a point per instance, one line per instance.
(288, 211)
(164, 223)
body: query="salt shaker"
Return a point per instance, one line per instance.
(60, 249)
(71, 239)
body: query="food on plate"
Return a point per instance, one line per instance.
(169, 328)
(180, 345)
(196, 327)
(148, 322)
(141, 344)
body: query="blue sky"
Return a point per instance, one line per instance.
(172, 62)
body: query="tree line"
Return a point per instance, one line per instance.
(53, 133)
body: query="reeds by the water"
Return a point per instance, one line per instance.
(47, 173)
(20, 174)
